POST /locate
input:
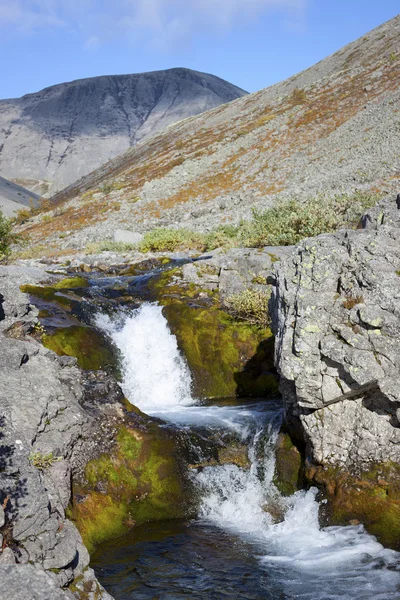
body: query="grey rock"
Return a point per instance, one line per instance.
(25, 582)
(127, 237)
(41, 412)
(337, 325)
(51, 138)
(7, 557)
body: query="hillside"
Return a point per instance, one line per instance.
(13, 197)
(51, 138)
(331, 129)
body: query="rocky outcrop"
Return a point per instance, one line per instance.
(337, 324)
(42, 428)
(51, 138)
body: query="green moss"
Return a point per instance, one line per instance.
(221, 353)
(287, 466)
(70, 283)
(226, 357)
(140, 481)
(86, 344)
(47, 293)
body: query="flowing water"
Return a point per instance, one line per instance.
(248, 541)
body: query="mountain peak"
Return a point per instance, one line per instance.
(65, 131)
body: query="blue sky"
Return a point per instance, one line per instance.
(252, 43)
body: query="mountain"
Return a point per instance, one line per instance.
(13, 197)
(331, 129)
(52, 137)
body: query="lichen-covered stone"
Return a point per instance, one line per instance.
(288, 466)
(336, 319)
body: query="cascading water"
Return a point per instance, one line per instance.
(293, 556)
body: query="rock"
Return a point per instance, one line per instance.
(7, 557)
(337, 326)
(41, 415)
(128, 237)
(25, 582)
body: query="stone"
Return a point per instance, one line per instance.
(26, 582)
(337, 324)
(128, 237)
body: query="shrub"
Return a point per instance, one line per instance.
(163, 239)
(250, 306)
(6, 236)
(288, 222)
(224, 236)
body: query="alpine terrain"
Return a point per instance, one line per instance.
(51, 138)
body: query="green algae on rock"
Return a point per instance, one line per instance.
(288, 465)
(226, 357)
(140, 480)
(46, 293)
(89, 346)
(71, 283)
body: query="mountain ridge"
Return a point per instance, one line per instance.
(51, 137)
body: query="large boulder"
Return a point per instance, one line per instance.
(336, 319)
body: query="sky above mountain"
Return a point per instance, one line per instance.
(251, 43)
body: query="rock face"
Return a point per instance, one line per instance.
(336, 318)
(63, 132)
(41, 417)
(14, 197)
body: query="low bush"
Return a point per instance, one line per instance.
(250, 306)
(163, 239)
(288, 222)
(6, 236)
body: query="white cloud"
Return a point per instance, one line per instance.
(158, 22)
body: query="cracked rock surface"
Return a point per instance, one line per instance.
(336, 318)
(40, 396)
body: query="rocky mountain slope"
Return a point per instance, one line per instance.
(328, 130)
(51, 138)
(13, 197)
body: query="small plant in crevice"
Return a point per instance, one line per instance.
(352, 301)
(250, 306)
(43, 461)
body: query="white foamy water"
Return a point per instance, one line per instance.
(335, 562)
(312, 563)
(155, 376)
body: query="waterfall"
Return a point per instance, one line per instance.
(156, 377)
(313, 563)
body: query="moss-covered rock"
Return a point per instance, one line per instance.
(88, 345)
(71, 283)
(47, 293)
(226, 357)
(139, 481)
(371, 497)
(288, 465)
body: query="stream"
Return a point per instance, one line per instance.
(248, 541)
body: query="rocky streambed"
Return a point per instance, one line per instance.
(135, 405)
